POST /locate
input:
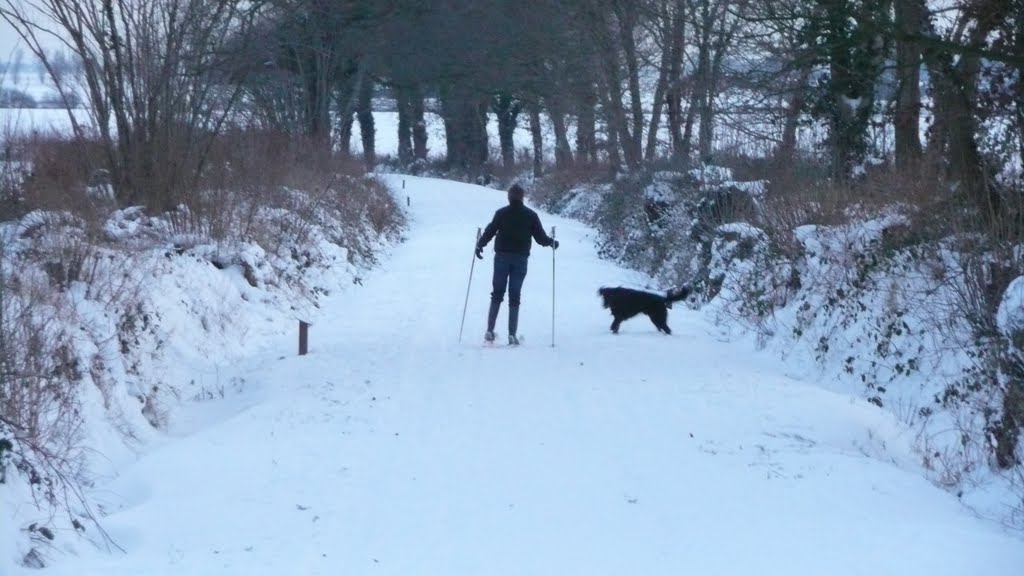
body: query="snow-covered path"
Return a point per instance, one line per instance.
(391, 449)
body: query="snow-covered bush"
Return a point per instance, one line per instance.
(749, 276)
(1007, 428)
(41, 375)
(662, 223)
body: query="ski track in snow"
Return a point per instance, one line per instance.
(392, 449)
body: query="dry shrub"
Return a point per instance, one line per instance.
(243, 172)
(991, 389)
(274, 170)
(62, 174)
(498, 174)
(40, 366)
(802, 195)
(551, 190)
(248, 171)
(40, 416)
(251, 161)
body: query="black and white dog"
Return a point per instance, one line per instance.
(625, 303)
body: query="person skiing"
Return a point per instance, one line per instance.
(516, 226)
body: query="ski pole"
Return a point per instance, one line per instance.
(553, 290)
(472, 264)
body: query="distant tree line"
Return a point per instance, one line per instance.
(621, 83)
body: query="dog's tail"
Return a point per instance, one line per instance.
(677, 295)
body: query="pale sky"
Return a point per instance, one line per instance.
(9, 41)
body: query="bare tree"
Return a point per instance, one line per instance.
(627, 18)
(152, 70)
(953, 133)
(668, 27)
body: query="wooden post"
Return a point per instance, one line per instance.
(303, 337)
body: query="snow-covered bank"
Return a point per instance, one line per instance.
(115, 325)
(878, 303)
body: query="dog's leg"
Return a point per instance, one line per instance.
(660, 319)
(615, 325)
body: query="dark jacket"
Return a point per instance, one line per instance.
(515, 225)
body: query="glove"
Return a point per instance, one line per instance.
(554, 244)
(480, 252)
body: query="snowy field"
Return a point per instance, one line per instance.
(23, 121)
(394, 449)
(15, 121)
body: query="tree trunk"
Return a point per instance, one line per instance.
(797, 99)
(723, 40)
(347, 99)
(586, 126)
(667, 34)
(507, 111)
(703, 98)
(563, 152)
(345, 134)
(480, 136)
(450, 127)
(618, 128)
(366, 126)
(953, 130)
(538, 141)
(674, 94)
(419, 124)
(613, 118)
(633, 140)
(955, 96)
(706, 133)
(856, 53)
(1019, 100)
(317, 93)
(405, 123)
(114, 69)
(115, 85)
(465, 116)
(691, 117)
(699, 88)
(907, 118)
(616, 124)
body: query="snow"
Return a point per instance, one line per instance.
(711, 174)
(584, 202)
(394, 449)
(659, 191)
(1010, 315)
(742, 230)
(755, 188)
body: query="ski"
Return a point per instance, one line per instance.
(494, 343)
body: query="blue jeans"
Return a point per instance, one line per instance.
(510, 270)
